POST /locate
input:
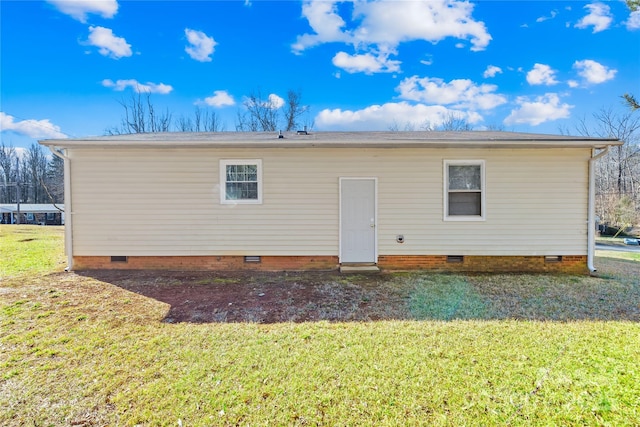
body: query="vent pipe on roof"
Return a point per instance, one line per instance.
(303, 132)
(280, 135)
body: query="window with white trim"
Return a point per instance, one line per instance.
(464, 190)
(241, 181)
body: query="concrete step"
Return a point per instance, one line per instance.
(359, 269)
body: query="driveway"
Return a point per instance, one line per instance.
(617, 248)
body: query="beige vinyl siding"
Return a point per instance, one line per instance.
(165, 201)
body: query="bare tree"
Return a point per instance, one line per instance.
(293, 109)
(452, 122)
(617, 173)
(395, 126)
(260, 115)
(211, 122)
(207, 121)
(54, 181)
(496, 127)
(8, 159)
(456, 123)
(246, 123)
(185, 124)
(264, 114)
(35, 168)
(203, 121)
(140, 116)
(624, 126)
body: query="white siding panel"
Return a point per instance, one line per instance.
(132, 201)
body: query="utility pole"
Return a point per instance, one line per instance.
(18, 195)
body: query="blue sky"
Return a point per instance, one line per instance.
(526, 66)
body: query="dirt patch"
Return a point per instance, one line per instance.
(274, 297)
(200, 297)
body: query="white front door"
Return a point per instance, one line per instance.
(357, 220)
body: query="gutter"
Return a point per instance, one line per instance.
(591, 220)
(68, 217)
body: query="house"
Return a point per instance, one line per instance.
(32, 213)
(452, 201)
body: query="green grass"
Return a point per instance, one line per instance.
(78, 351)
(617, 241)
(445, 297)
(30, 249)
(630, 256)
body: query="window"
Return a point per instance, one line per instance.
(464, 190)
(51, 216)
(241, 181)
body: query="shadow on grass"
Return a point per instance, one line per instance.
(262, 297)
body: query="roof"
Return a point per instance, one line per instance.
(31, 208)
(423, 139)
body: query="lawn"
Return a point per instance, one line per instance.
(618, 242)
(30, 249)
(447, 350)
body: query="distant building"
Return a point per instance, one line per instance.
(32, 213)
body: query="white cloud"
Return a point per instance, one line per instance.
(200, 46)
(324, 20)
(31, 128)
(552, 15)
(379, 26)
(220, 98)
(108, 43)
(390, 23)
(544, 108)
(633, 23)
(491, 71)
(367, 63)
(428, 61)
(599, 17)
(275, 101)
(386, 116)
(79, 9)
(460, 93)
(148, 87)
(594, 72)
(541, 74)
(573, 84)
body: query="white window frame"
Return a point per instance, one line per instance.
(223, 181)
(483, 190)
